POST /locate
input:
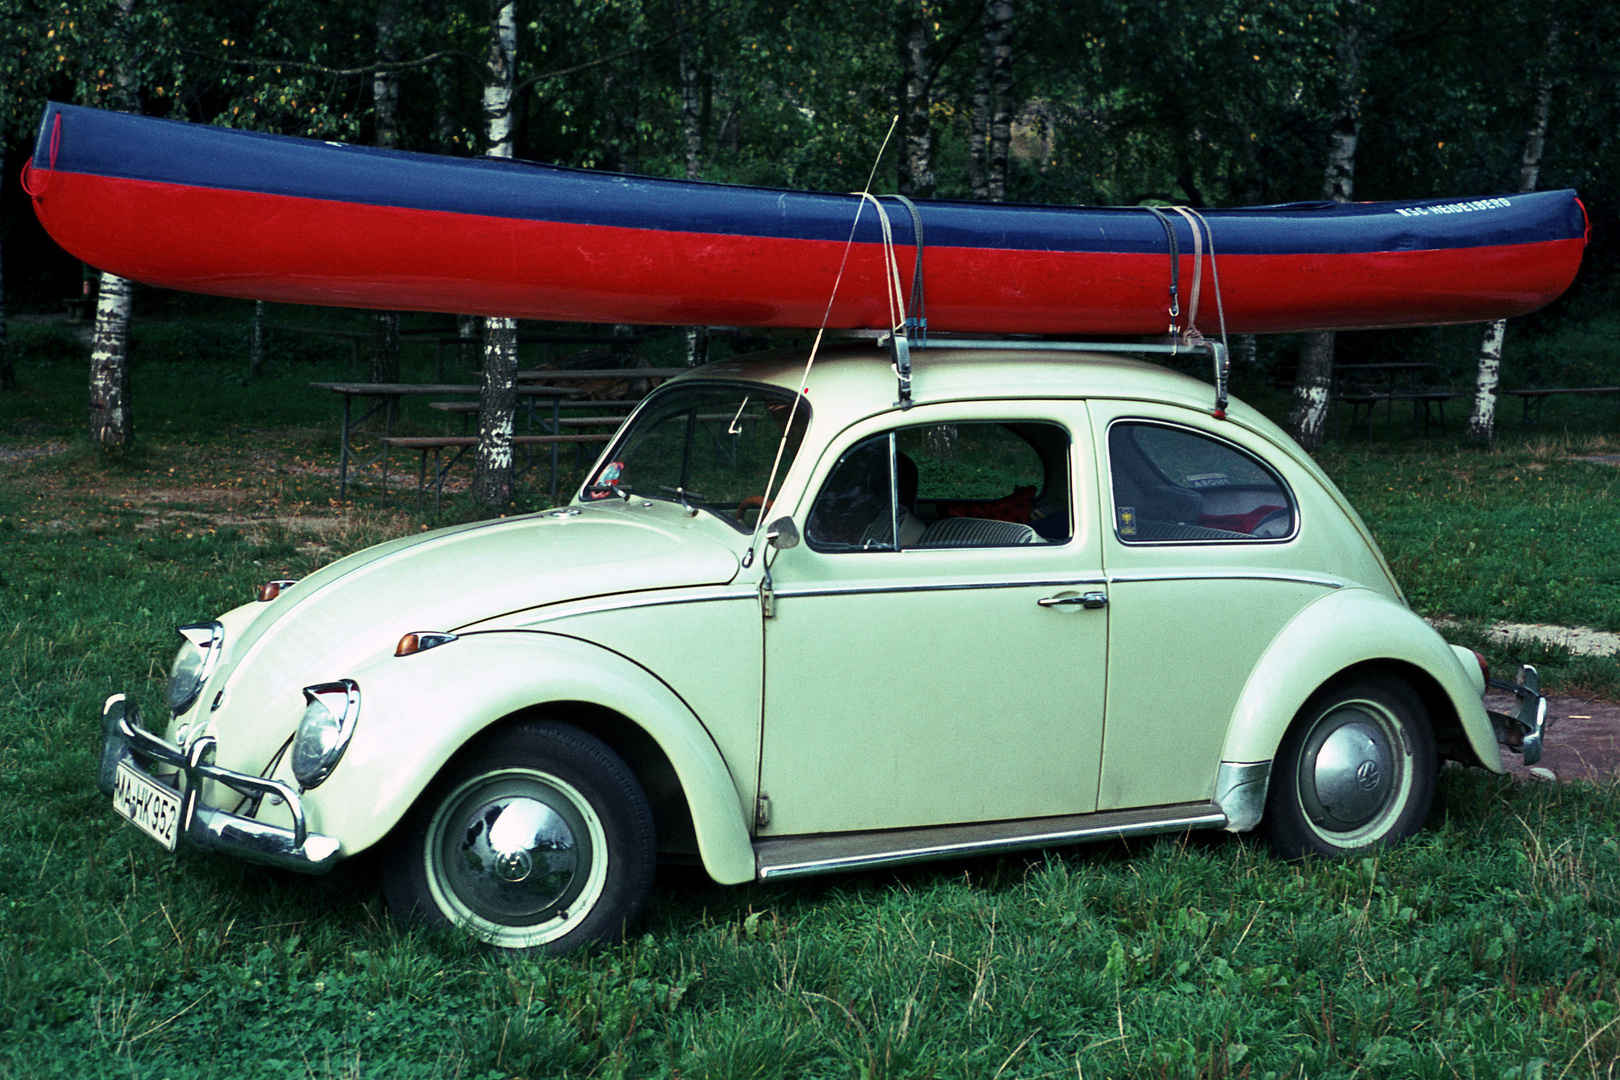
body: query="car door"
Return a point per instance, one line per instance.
(955, 674)
(1209, 555)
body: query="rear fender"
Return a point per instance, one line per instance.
(1340, 631)
(417, 711)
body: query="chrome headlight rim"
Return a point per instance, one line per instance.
(207, 638)
(331, 711)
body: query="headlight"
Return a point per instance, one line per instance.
(194, 663)
(330, 711)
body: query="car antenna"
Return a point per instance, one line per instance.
(815, 346)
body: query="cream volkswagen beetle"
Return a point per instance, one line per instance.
(1041, 598)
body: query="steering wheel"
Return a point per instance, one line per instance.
(751, 502)
(1274, 526)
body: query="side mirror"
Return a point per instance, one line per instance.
(782, 534)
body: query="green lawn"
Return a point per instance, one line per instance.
(1488, 947)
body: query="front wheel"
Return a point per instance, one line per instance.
(539, 837)
(1356, 770)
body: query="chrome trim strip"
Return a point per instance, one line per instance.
(854, 590)
(1223, 575)
(802, 856)
(1240, 792)
(569, 608)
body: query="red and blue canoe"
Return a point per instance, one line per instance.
(268, 217)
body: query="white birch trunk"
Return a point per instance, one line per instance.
(999, 34)
(493, 470)
(1482, 420)
(111, 427)
(385, 81)
(691, 71)
(384, 346)
(979, 123)
(1307, 417)
(917, 144)
(697, 346)
(256, 340)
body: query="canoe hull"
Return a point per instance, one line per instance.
(572, 265)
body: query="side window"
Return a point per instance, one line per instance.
(969, 484)
(1172, 485)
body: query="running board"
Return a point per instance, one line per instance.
(826, 853)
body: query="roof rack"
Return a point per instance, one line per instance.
(900, 348)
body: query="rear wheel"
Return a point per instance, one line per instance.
(539, 837)
(1356, 770)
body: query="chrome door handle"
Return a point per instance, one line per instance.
(1091, 601)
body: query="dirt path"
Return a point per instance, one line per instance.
(1583, 741)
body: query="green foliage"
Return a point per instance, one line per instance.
(1521, 533)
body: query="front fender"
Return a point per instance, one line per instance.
(1330, 635)
(417, 711)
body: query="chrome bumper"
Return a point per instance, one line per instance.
(1523, 733)
(204, 827)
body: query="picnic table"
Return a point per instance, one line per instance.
(583, 374)
(442, 337)
(1533, 397)
(1431, 401)
(386, 398)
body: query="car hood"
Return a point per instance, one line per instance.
(355, 610)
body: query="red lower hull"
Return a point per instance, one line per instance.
(317, 251)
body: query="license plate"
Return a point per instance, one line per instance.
(153, 808)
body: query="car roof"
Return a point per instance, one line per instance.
(858, 377)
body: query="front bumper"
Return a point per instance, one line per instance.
(1523, 733)
(208, 828)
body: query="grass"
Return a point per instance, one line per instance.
(1488, 947)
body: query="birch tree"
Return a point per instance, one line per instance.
(1482, 421)
(385, 99)
(691, 65)
(112, 427)
(991, 128)
(916, 79)
(493, 474)
(1307, 419)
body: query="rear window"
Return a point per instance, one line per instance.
(1176, 486)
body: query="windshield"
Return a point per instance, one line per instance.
(708, 446)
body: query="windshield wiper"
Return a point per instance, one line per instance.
(681, 495)
(608, 489)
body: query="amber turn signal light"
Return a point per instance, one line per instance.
(272, 589)
(421, 641)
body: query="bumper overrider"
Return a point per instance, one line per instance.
(203, 827)
(1523, 733)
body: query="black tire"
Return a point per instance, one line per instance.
(1355, 771)
(575, 863)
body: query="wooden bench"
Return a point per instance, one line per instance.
(470, 408)
(1533, 397)
(437, 444)
(1428, 406)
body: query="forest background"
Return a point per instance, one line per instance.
(1202, 103)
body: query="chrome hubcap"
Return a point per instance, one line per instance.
(516, 856)
(1353, 773)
